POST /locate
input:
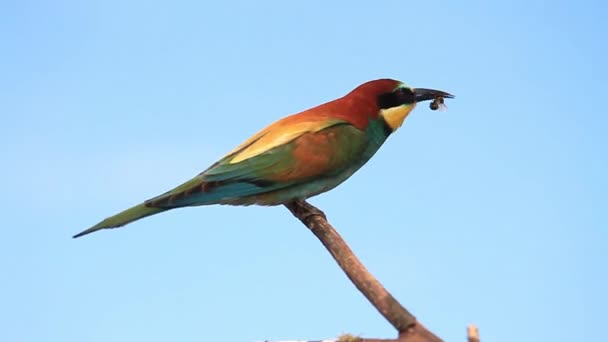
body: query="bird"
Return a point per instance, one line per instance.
(297, 157)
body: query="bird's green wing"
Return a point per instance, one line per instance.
(309, 155)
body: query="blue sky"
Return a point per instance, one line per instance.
(493, 213)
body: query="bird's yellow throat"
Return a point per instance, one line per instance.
(395, 116)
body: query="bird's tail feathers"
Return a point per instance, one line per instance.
(132, 214)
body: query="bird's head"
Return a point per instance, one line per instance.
(394, 100)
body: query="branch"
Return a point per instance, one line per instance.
(409, 329)
(472, 334)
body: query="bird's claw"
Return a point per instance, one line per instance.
(306, 211)
(312, 212)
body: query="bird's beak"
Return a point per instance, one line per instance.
(423, 94)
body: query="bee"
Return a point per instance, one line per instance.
(438, 103)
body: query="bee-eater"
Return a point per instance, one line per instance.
(297, 157)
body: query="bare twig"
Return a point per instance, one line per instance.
(472, 333)
(410, 330)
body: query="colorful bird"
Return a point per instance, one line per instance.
(297, 157)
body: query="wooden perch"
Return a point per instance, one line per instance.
(472, 333)
(408, 328)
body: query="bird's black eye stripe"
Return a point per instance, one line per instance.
(396, 98)
(406, 95)
(388, 100)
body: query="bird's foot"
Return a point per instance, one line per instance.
(305, 211)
